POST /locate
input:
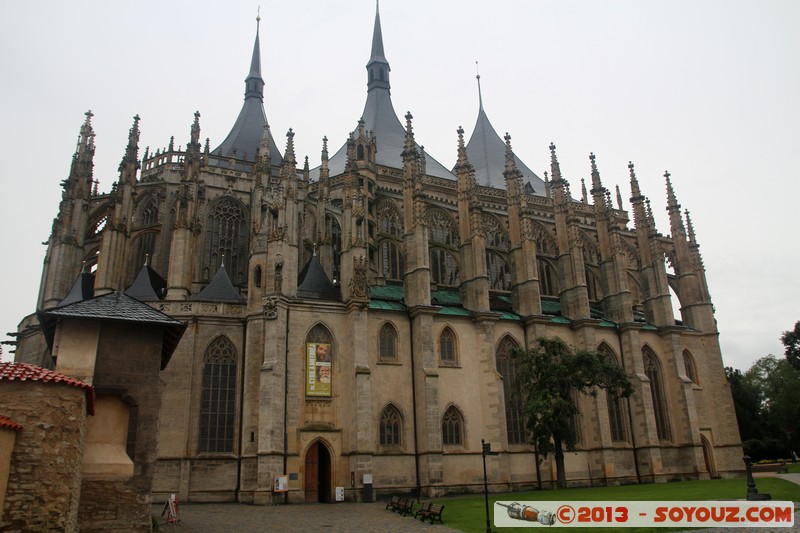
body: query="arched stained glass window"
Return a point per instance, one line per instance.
(447, 347)
(444, 268)
(227, 235)
(616, 407)
(387, 343)
(148, 211)
(452, 427)
(441, 229)
(498, 271)
(548, 279)
(689, 366)
(390, 428)
(652, 369)
(218, 397)
(515, 426)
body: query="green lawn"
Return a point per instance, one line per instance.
(468, 514)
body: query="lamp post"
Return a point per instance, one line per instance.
(486, 449)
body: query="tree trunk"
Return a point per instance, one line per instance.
(561, 473)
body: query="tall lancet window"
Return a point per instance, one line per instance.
(227, 235)
(218, 397)
(443, 239)
(390, 235)
(506, 367)
(652, 369)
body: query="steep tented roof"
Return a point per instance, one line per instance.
(82, 289)
(312, 282)
(380, 118)
(147, 286)
(116, 307)
(486, 152)
(220, 289)
(248, 129)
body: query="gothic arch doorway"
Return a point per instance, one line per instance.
(318, 473)
(708, 456)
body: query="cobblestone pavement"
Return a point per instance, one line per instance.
(305, 518)
(344, 518)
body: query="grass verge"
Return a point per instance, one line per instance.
(468, 514)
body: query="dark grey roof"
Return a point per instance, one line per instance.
(116, 307)
(82, 289)
(381, 120)
(486, 152)
(220, 289)
(312, 282)
(248, 129)
(147, 286)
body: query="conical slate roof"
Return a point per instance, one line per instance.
(220, 289)
(248, 129)
(312, 282)
(381, 120)
(82, 289)
(147, 286)
(486, 152)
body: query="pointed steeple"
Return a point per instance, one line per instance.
(377, 67)
(487, 153)
(246, 133)
(132, 150)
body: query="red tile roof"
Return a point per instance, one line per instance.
(6, 422)
(29, 372)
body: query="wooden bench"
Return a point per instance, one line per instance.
(434, 513)
(426, 507)
(405, 506)
(393, 503)
(779, 468)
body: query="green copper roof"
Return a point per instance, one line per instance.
(386, 292)
(384, 305)
(453, 311)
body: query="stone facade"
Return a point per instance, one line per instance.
(429, 276)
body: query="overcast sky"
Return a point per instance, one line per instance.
(709, 90)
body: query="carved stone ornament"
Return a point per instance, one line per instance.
(270, 307)
(358, 283)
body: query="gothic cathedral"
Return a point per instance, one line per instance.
(350, 324)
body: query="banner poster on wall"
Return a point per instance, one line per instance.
(318, 369)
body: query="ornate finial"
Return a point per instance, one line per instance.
(690, 227)
(619, 199)
(584, 196)
(258, 15)
(146, 259)
(594, 164)
(222, 261)
(460, 132)
(478, 77)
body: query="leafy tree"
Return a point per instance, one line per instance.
(767, 402)
(791, 339)
(747, 399)
(547, 378)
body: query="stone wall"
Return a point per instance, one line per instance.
(45, 473)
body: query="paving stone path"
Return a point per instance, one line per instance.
(344, 518)
(305, 518)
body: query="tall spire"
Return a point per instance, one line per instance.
(377, 67)
(254, 84)
(248, 130)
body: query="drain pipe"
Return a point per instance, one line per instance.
(241, 417)
(286, 404)
(630, 415)
(414, 403)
